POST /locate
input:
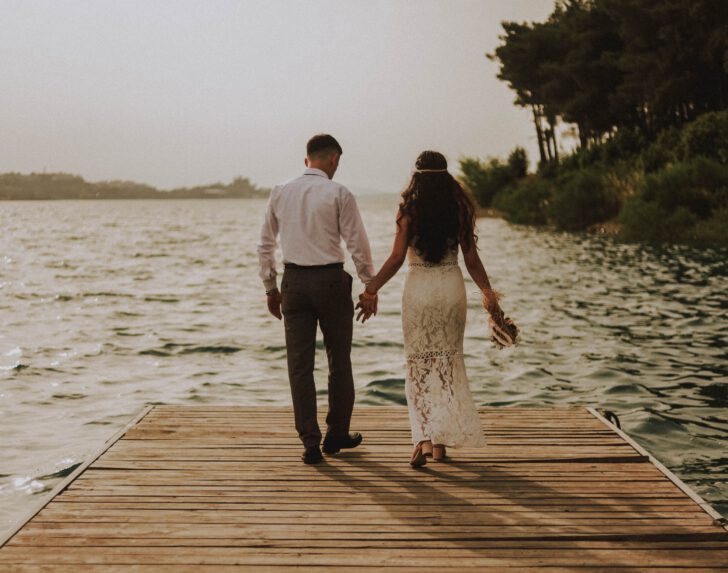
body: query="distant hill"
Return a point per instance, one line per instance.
(44, 186)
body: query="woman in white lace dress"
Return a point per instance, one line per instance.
(435, 220)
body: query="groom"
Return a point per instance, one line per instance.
(312, 214)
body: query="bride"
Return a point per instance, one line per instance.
(435, 217)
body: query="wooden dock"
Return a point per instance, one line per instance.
(218, 489)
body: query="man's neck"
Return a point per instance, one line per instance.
(325, 168)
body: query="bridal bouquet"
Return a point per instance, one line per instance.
(503, 331)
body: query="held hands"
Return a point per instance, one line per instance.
(367, 306)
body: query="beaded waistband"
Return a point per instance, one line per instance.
(426, 264)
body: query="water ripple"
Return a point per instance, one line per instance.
(638, 329)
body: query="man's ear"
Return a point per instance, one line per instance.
(305, 161)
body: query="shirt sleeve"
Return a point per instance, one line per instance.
(267, 245)
(354, 234)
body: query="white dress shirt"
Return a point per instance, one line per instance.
(312, 214)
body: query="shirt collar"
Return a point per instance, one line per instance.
(313, 171)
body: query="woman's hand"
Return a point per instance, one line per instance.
(367, 306)
(490, 302)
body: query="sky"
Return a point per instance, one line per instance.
(180, 93)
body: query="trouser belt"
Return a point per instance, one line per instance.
(313, 267)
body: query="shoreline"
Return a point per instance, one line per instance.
(607, 228)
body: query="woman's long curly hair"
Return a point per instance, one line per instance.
(441, 213)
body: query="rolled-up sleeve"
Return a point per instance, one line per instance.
(354, 234)
(267, 245)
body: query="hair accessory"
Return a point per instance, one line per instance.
(431, 170)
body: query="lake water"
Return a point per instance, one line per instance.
(106, 306)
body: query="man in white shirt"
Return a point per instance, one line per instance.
(312, 214)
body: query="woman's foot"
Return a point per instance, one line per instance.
(427, 448)
(418, 456)
(438, 452)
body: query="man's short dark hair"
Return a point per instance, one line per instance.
(322, 144)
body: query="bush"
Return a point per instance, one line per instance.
(715, 229)
(623, 180)
(624, 145)
(518, 163)
(685, 202)
(707, 137)
(581, 199)
(485, 180)
(549, 170)
(674, 189)
(664, 151)
(525, 203)
(642, 220)
(700, 185)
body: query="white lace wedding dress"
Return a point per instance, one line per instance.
(434, 308)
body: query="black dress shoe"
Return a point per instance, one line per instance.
(312, 455)
(332, 444)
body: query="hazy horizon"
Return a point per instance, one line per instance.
(182, 93)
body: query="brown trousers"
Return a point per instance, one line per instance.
(311, 298)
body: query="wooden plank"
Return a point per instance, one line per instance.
(439, 558)
(581, 512)
(222, 488)
(73, 513)
(183, 531)
(179, 568)
(365, 503)
(35, 540)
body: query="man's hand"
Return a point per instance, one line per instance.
(274, 303)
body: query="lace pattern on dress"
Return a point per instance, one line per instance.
(434, 309)
(441, 405)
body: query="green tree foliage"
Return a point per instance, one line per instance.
(617, 65)
(674, 59)
(521, 42)
(645, 86)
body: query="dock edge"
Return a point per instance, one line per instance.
(718, 519)
(75, 473)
